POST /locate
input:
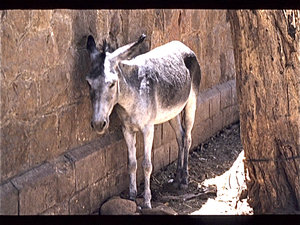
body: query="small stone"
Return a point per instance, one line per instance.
(166, 209)
(118, 206)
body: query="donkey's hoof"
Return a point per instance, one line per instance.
(147, 205)
(132, 198)
(132, 195)
(184, 186)
(175, 184)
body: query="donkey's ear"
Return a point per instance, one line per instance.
(91, 45)
(141, 38)
(131, 50)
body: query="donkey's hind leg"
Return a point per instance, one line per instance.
(177, 127)
(188, 122)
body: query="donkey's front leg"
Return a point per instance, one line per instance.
(147, 165)
(130, 138)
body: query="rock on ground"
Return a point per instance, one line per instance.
(118, 206)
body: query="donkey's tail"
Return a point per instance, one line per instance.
(193, 66)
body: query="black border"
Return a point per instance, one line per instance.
(150, 4)
(153, 220)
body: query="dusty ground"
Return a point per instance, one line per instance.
(216, 179)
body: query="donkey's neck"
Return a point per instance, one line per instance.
(126, 95)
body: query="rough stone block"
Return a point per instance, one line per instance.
(31, 58)
(214, 101)
(201, 132)
(54, 88)
(161, 157)
(22, 99)
(134, 18)
(116, 156)
(217, 122)
(202, 111)
(37, 190)
(4, 109)
(8, 199)
(121, 180)
(67, 128)
(65, 173)
(79, 20)
(232, 83)
(62, 28)
(89, 165)
(196, 135)
(84, 116)
(173, 151)
(80, 203)
(41, 19)
(195, 20)
(13, 24)
(226, 97)
(235, 112)
(14, 150)
(157, 140)
(99, 193)
(103, 142)
(193, 42)
(168, 133)
(44, 139)
(116, 135)
(80, 88)
(230, 115)
(235, 99)
(117, 181)
(58, 209)
(227, 116)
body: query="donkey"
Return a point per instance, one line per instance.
(145, 89)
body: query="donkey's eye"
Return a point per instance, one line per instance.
(112, 85)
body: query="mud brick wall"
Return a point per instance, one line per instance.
(51, 161)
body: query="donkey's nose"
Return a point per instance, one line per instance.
(99, 125)
(103, 124)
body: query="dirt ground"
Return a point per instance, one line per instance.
(216, 179)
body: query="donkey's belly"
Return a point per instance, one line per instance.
(165, 114)
(170, 102)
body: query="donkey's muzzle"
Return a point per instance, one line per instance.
(99, 126)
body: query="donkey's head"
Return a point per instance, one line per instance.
(104, 79)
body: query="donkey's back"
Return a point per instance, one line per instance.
(173, 63)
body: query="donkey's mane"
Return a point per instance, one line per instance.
(105, 47)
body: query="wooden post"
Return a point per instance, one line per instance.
(267, 57)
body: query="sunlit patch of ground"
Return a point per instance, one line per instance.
(229, 186)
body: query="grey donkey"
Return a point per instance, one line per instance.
(146, 89)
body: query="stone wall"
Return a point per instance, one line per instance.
(51, 159)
